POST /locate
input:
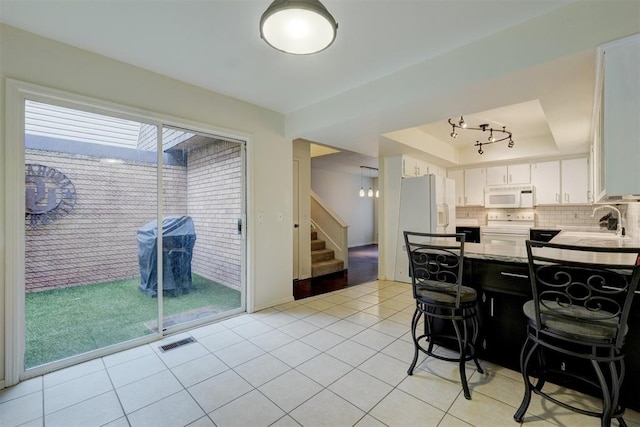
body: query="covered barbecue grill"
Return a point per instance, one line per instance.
(178, 240)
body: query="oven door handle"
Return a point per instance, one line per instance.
(496, 233)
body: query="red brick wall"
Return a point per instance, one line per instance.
(97, 241)
(214, 188)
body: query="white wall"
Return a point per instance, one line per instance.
(340, 192)
(34, 59)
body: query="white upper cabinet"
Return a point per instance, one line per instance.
(575, 181)
(458, 176)
(469, 186)
(618, 151)
(410, 167)
(413, 167)
(545, 177)
(509, 174)
(474, 183)
(561, 182)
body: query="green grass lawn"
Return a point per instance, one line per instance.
(65, 322)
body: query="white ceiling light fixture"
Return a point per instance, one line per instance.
(503, 134)
(298, 27)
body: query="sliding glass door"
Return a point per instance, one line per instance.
(121, 236)
(202, 227)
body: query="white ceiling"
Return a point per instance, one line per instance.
(215, 44)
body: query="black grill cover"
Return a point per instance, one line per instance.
(178, 240)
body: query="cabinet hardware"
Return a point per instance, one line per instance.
(521, 276)
(510, 178)
(491, 309)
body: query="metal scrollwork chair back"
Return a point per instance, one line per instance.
(579, 310)
(436, 263)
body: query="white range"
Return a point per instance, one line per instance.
(507, 228)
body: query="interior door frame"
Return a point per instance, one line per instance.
(296, 219)
(16, 93)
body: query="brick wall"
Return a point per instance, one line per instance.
(214, 188)
(97, 241)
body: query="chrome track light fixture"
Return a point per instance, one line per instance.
(298, 27)
(495, 135)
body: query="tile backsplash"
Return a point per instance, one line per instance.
(546, 216)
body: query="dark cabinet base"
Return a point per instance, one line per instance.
(503, 288)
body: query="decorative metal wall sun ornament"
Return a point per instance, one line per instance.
(495, 135)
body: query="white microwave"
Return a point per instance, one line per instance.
(508, 196)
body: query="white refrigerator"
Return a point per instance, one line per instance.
(427, 205)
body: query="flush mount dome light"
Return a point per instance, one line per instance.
(299, 27)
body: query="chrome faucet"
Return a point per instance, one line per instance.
(616, 210)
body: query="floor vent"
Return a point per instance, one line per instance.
(176, 344)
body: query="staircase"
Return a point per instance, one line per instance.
(322, 259)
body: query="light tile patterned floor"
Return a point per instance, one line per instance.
(338, 359)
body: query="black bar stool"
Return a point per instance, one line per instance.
(581, 301)
(436, 267)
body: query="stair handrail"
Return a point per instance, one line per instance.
(331, 227)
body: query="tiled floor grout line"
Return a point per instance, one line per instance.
(115, 390)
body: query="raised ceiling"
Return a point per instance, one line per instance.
(216, 45)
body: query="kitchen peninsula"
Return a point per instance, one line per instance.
(500, 274)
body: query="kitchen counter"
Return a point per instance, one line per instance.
(495, 252)
(500, 274)
(518, 253)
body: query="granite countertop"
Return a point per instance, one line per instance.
(517, 253)
(488, 251)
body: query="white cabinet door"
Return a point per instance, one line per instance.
(545, 177)
(518, 174)
(458, 177)
(575, 181)
(496, 175)
(509, 174)
(621, 118)
(409, 167)
(474, 183)
(413, 167)
(422, 168)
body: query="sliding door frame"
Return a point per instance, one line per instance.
(17, 92)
